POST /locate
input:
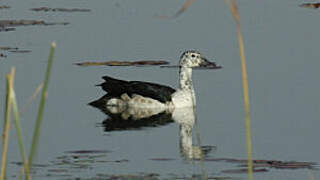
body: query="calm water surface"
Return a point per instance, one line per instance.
(282, 45)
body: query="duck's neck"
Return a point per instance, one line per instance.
(186, 78)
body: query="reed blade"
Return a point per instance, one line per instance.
(234, 9)
(44, 96)
(10, 79)
(19, 132)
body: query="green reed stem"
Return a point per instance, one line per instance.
(10, 79)
(19, 132)
(44, 96)
(234, 9)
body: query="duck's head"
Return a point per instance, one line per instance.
(193, 59)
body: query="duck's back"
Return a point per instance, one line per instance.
(116, 88)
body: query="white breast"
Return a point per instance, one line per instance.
(183, 98)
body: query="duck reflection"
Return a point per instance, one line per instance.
(122, 117)
(185, 117)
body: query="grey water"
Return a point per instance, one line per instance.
(282, 45)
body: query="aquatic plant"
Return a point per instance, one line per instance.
(11, 102)
(234, 9)
(43, 100)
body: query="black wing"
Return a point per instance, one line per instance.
(116, 87)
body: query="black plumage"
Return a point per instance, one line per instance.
(116, 87)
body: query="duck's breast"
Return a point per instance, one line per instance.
(183, 98)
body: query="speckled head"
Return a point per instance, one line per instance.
(193, 59)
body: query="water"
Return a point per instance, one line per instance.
(281, 41)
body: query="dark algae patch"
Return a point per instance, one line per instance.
(310, 5)
(87, 151)
(6, 48)
(5, 29)
(162, 159)
(47, 9)
(244, 170)
(9, 25)
(14, 23)
(123, 63)
(263, 165)
(4, 7)
(2, 55)
(12, 50)
(20, 51)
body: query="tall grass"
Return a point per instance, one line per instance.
(43, 100)
(11, 102)
(234, 9)
(10, 78)
(19, 131)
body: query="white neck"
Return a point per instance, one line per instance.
(186, 78)
(186, 82)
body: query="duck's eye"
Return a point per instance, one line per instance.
(193, 55)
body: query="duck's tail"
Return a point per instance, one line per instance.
(114, 86)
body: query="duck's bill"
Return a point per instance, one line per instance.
(206, 64)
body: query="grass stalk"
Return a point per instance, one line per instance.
(234, 9)
(19, 132)
(35, 94)
(10, 79)
(44, 96)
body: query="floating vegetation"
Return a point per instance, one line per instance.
(33, 165)
(81, 159)
(13, 23)
(162, 159)
(47, 9)
(4, 7)
(124, 63)
(116, 161)
(153, 176)
(6, 48)
(72, 161)
(6, 29)
(269, 163)
(141, 176)
(310, 5)
(20, 51)
(58, 170)
(244, 170)
(8, 25)
(12, 50)
(87, 151)
(3, 55)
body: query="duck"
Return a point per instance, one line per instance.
(148, 95)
